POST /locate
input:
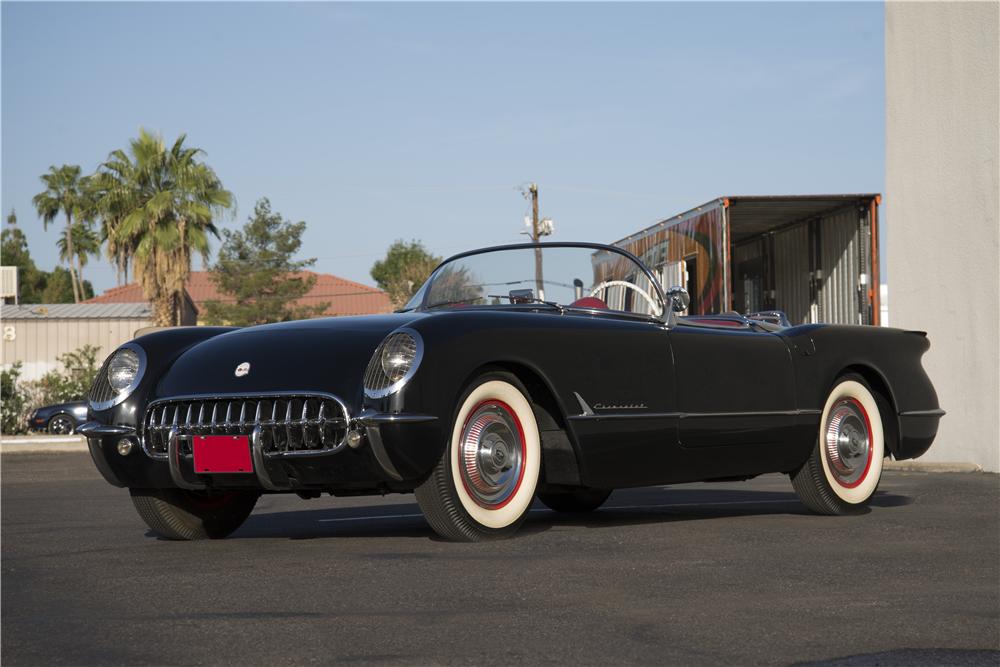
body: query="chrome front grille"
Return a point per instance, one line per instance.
(282, 422)
(101, 391)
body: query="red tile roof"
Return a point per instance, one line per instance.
(345, 297)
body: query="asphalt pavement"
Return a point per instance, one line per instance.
(696, 574)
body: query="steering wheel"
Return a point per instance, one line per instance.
(656, 310)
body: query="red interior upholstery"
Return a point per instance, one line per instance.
(590, 302)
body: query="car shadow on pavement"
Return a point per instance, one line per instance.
(629, 507)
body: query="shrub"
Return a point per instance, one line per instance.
(14, 401)
(18, 399)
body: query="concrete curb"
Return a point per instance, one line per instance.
(43, 444)
(921, 466)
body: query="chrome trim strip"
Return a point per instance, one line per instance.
(97, 429)
(585, 410)
(936, 412)
(626, 415)
(382, 456)
(751, 413)
(127, 391)
(693, 415)
(401, 382)
(369, 417)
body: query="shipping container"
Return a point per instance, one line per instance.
(815, 257)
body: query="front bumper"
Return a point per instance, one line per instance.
(395, 451)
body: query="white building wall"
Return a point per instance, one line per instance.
(942, 113)
(38, 343)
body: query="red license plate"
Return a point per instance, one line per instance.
(222, 454)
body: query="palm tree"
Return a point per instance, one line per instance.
(83, 243)
(63, 193)
(158, 204)
(107, 208)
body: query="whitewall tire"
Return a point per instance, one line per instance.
(485, 481)
(845, 466)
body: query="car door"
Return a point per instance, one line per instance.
(735, 392)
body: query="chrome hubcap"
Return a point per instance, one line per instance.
(60, 425)
(492, 454)
(848, 442)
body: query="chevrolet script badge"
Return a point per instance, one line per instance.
(243, 369)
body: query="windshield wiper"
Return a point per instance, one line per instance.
(528, 299)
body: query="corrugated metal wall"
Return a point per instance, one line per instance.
(748, 290)
(839, 246)
(791, 272)
(38, 343)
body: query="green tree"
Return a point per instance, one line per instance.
(63, 193)
(108, 206)
(162, 202)
(256, 271)
(35, 285)
(14, 252)
(405, 268)
(83, 244)
(59, 287)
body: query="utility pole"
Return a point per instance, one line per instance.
(539, 283)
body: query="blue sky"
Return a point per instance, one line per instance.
(373, 122)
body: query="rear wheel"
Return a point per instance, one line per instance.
(61, 425)
(191, 515)
(578, 501)
(485, 481)
(845, 466)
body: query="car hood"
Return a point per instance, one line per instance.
(324, 355)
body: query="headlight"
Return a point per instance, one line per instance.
(397, 356)
(123, 369)
(118, 378)
(393, 364)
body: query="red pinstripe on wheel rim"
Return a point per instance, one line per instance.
(492, 456)
(847, 442)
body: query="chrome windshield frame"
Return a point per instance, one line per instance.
(664, 306)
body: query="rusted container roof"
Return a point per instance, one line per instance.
(751, 215)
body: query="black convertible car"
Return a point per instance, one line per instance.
(59, 419)
(561, 370)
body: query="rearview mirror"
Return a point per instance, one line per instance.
(679, 299)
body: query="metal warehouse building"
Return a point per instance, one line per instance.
(37, 335)
(813, 256)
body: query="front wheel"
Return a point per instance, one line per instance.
(191, 515)
(61, 425)
(484, 483)
(845, 466)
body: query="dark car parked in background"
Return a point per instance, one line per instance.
(60, 419)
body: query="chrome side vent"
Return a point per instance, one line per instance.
(284, 422)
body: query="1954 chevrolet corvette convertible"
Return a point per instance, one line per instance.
(558, 370)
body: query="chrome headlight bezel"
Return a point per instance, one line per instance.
(377, 382)
(103, 376)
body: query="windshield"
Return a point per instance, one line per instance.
(570, 276)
